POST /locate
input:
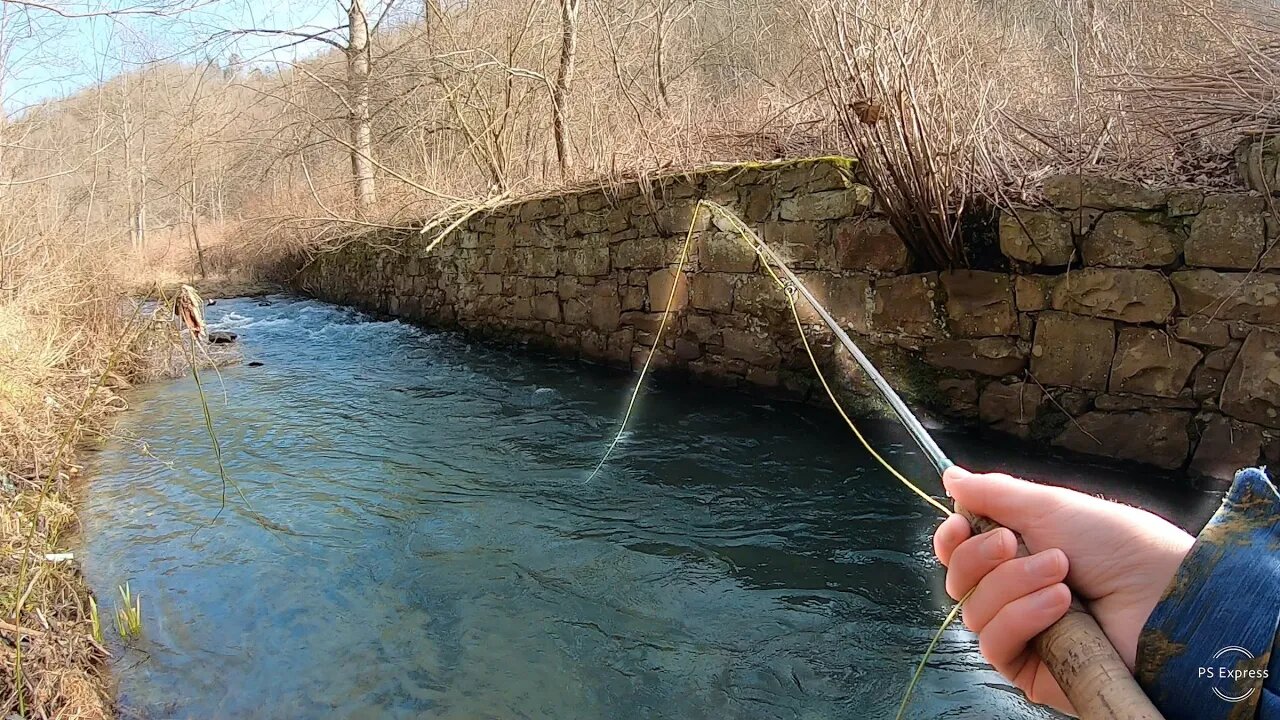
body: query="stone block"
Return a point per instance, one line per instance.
(605, 308)
(1076, 191)
(1038, 237)
(1257, 159)
(1252, 297)
(1032, 292)
(1209, 378)
(499, 260)
(620, 345)
(687, 350)
(1201, 330)
(1252, 388)
(847, 299)
(1157, 437)
(758, 296)
(1149, 362)
(1184, 401)
(575, 312)
(587, 223)
(701, 328)
(589, 261)
(645, 252)
(661, 284)
(762, 377)
(491, 284)
(870, 244)
(540, 209)
(827, 205)
(988, 356)
(979, 304)
(796, 242)
(713, 291)
(808, 176)
(756, 203)
(725, 252)
(1073, 351)
(521, 308)
(1123, 239)
(1229, 233)
(754, 347)
(961, 394)
(567, 286)
(1185, 202)
(1138, 296)
(633, 297)
(546, 307)
(905, 305)
(645, 323)
(1226, 446)
(676, 216)
(1011, 408)
(592, 201)
(537, 262)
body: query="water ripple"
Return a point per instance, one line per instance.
(419, 541)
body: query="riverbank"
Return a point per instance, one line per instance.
(69, 345)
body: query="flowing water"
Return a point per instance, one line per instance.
(415, 539)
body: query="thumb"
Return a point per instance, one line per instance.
(1013, 503)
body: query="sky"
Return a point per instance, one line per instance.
(49, 57)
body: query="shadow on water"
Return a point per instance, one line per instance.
(431, 548)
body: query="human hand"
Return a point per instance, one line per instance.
(1117, 559)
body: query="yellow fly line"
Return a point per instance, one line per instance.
(749, 237)
(677, 274)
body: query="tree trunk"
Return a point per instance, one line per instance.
(358, 88)
(195, 220)
(564, 83)
(430, 16)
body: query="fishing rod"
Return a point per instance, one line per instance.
(1075, 649)
(914, 427)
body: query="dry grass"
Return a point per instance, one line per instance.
(54, 342)
(69, 341)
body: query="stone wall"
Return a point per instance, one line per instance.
(1122, 321)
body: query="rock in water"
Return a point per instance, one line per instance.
(220, 337)
(543, 397)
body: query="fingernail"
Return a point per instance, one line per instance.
(1044, 564)
(994, 547)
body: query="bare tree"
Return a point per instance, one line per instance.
(564, 82)
(358, 70)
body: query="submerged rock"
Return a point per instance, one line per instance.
(221, 337)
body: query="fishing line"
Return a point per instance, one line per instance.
(790, 288)
(657, 342)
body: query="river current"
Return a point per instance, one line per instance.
(408, 531)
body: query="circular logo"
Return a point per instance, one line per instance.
(1233, 650)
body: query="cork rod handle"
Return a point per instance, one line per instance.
(1082, 659)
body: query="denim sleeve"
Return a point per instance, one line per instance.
(1206, 651)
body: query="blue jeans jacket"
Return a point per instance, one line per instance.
(1206, 651)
